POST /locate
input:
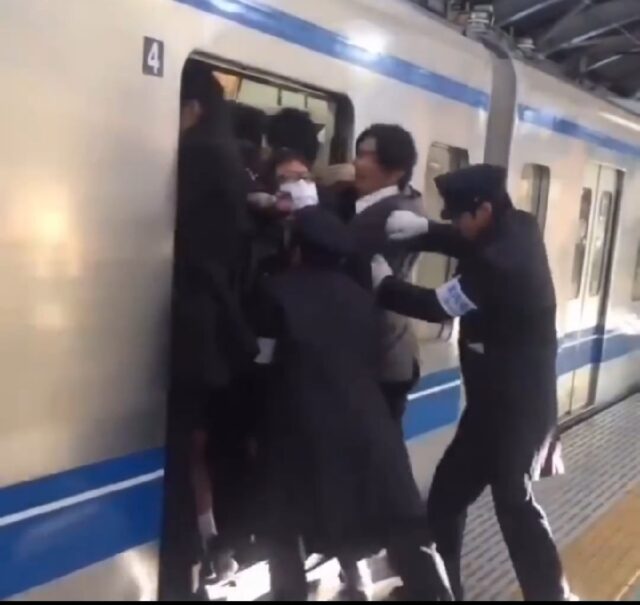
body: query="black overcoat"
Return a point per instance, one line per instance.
(508, 344)
(337, 467)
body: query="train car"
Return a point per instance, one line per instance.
(576, 157)
(89, 112)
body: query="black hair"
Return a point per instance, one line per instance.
(249, 123)
(294, 129)
(313, 255)
(278, 158)
(395, 149)
(500, 204)
(209, 160)
(199, 84)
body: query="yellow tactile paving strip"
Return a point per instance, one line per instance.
(603, 563)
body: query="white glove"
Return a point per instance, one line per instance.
(380, 270)
(403, 224)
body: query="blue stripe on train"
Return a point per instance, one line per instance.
(435, 409)
(83, 479)
(577, 350)
(301, 32)
(42, 548)
(38, 550)
(286, 26)
(555, 123)
(593, 347)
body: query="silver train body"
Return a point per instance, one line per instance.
(89, 121)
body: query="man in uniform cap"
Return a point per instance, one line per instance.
(504, 296)
(337, 470)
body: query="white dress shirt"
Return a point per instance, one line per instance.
(377, 196)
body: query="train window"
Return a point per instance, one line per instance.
(258, 94)
(635, 293)
(600, 242)
(580, 249)
(318, 106)
(332, 114)
(534, 191)
(293, 99)
(441, 159)
(432, 270)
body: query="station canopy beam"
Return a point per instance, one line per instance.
(591, 21)
(512, 12)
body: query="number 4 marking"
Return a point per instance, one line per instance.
(153, 57)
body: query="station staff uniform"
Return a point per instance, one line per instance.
(503, 293)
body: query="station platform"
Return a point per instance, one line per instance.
(594, 511)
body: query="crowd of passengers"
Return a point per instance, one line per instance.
(293, 356)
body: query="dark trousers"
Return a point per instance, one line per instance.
(180, 545)
(286, 568)
(462, 475)
(396, 393)
(194, 408)
(411, 554)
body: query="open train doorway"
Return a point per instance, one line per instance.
(212, 483)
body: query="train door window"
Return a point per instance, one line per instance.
(318, 106)
(433, 270)
(635, 293)
(332, 114)
(602, 235)
(534, 191)
(580, 250)
(293, 99)
(441, 159)
(258, 94)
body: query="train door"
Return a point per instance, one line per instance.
(590, 282)
(246, 100)
(432, 270)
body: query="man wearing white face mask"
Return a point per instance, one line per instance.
(293, 178)
(289, 186)
(303, 193)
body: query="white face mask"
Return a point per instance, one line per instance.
(303, 193)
